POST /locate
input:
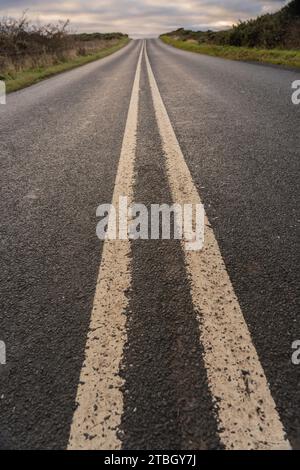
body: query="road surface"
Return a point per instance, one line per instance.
(141, 344)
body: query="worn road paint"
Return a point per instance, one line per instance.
(246, 411)
(99, 398)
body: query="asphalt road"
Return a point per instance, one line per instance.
(61, 142)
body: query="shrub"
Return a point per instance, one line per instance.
(25, 45)
(277, 30)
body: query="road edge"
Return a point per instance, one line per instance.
(216, 51)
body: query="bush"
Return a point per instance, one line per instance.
(277, 30)
(25, 45)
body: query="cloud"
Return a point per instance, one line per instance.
(141, 17)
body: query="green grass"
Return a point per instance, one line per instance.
(29, 77)
(288, 58)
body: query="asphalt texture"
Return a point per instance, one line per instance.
(167, 402)
(60, 145)
(239, 132)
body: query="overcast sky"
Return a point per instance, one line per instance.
(141, 17)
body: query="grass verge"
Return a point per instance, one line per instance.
(26, 78)
(288, 58)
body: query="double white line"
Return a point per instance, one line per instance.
(246, 413)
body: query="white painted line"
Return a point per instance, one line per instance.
(246, 412)
(99, 398)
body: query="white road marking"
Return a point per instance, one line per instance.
(99, 398)
(247, 416)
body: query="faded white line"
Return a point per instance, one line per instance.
(245, 409)
(99, 397)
